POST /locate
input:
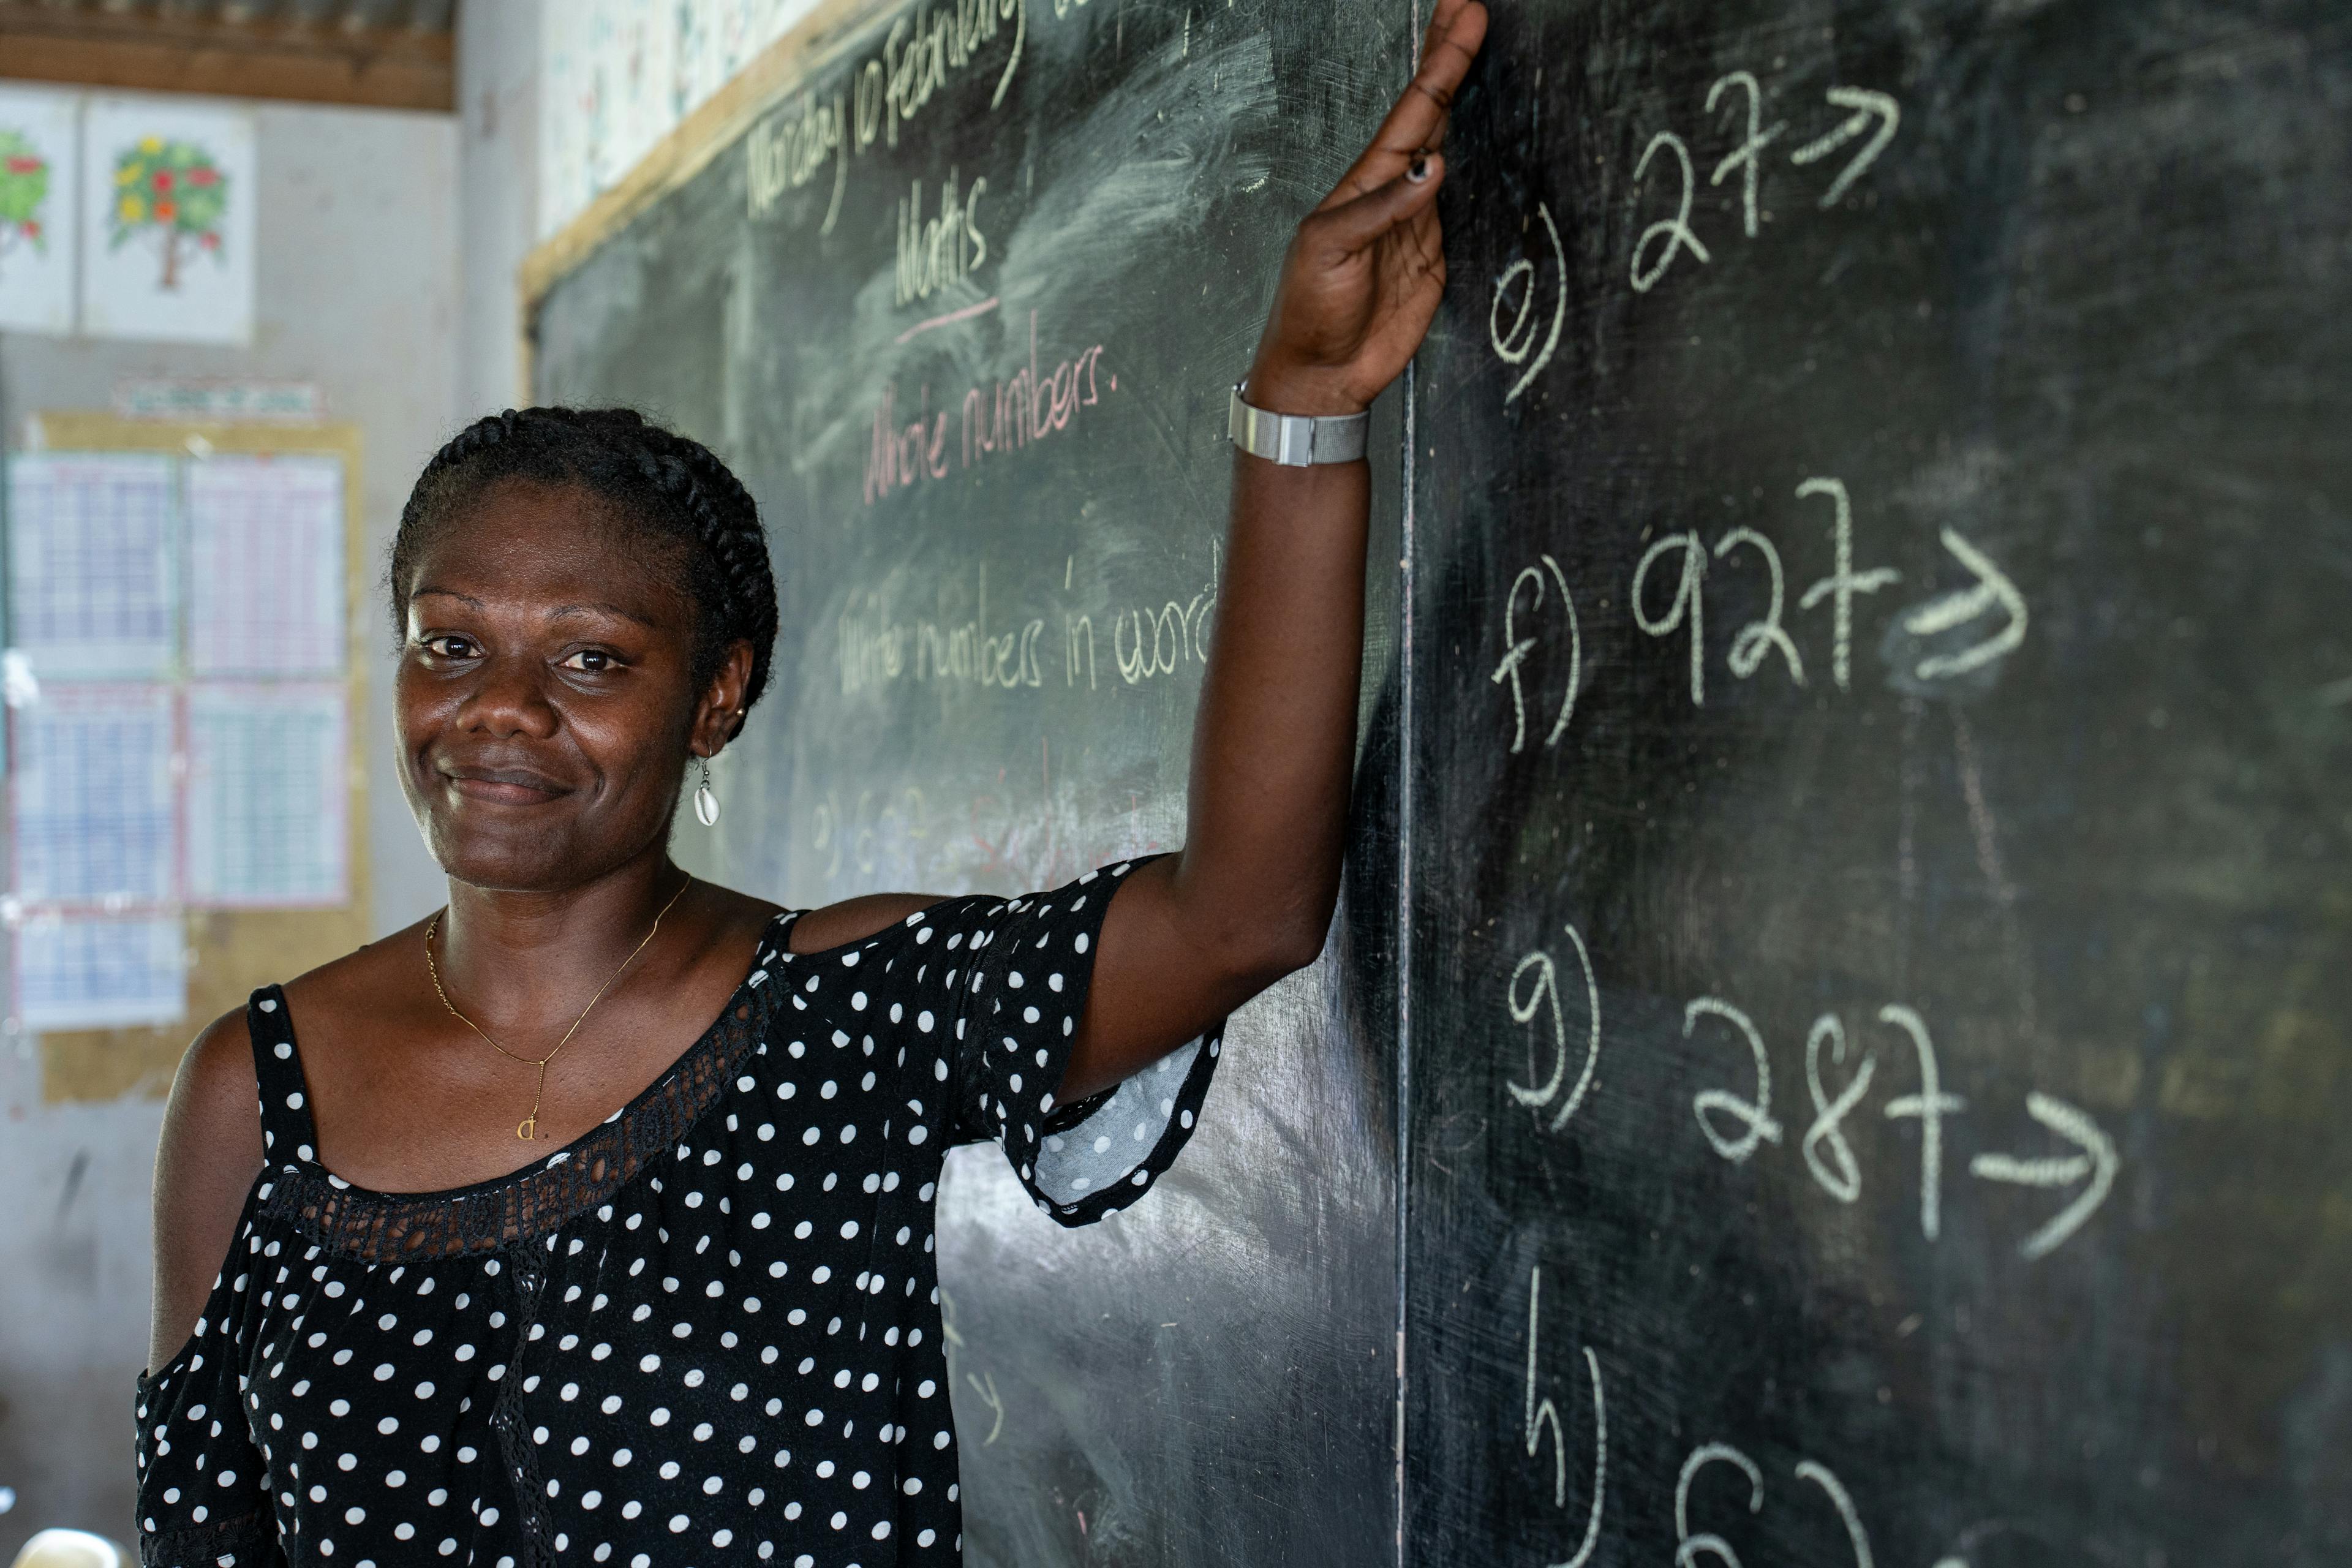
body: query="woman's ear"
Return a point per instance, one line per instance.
(719, 715)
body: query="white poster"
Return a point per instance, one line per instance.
(268, 796)
(39, 157)
(89, 567)
(266, 565)
(85, 974)
(94, 815)
(167, 221)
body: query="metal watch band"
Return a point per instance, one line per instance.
(1296, 440)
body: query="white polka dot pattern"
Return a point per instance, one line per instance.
(727, 1351)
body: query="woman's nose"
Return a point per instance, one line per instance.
(510, 698)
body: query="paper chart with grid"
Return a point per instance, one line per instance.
(93, 795)
(78, 972)
(266, 565)
(178, 718)
(92, 586)
(267, 796)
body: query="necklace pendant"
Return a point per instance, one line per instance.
(527, 1130)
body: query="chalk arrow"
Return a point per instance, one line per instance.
(1993, 591)
(1866, 106)
(2098, 1161)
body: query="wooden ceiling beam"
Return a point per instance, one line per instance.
(380, 68)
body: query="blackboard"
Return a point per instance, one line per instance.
(2042, 307)
(975, 367)
(1834, 1045)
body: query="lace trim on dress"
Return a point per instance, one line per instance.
(529, 1273)
(400, 1227)
(249, 1541)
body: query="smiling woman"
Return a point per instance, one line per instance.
(593, 1214)
(607, 584)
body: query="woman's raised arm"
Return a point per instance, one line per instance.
(1250, 896)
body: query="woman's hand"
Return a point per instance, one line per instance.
(1249, 899)
(1366, 268)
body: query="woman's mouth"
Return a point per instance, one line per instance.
(503, 786)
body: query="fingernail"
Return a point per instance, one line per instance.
(1419, 171)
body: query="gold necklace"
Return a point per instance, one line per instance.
(528, 1128)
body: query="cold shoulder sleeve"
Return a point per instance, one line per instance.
(203, 1486)
(1000, 985)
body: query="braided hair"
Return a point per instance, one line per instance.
(660, 480)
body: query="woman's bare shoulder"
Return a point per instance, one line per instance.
(358, 979)
(211, 1150)
(205, 1162)
(215, 1093)
(213, 1117)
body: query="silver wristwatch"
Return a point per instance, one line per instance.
(1296, 440)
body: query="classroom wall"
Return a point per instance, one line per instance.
(358, 293)
(499, 106)
(619, 75)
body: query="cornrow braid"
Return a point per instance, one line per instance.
(671, 485)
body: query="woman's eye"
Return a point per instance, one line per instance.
(450, 646)
(592, 661)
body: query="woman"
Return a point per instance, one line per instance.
(526, 1258)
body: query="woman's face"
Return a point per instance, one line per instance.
(545, 696)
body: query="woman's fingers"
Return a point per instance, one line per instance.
(1356, 226)
(1457, 46)
(1364, 273)
(1446, 60)
(1418, 122)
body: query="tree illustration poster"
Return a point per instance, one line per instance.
(167, 221)
(38, 152)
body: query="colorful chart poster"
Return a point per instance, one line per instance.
(41, 153)
(94, 825)
(91, 591)
(267, 795)
(83, 972)
(266, 586)
(167, 221)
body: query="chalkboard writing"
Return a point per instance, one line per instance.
(1834, 1051)
(1875, 1059)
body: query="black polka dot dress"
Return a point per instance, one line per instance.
(708, 1332)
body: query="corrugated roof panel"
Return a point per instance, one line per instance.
(354, 16)
(387, 53)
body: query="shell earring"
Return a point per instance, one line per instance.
(706, 804)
